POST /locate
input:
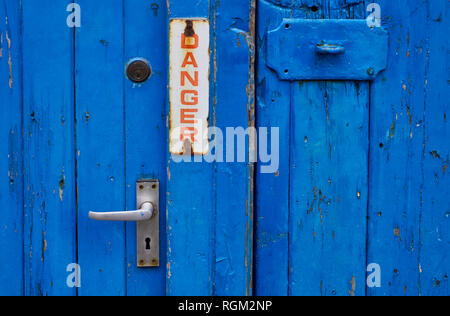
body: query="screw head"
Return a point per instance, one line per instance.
(138, 71)
(371, 72)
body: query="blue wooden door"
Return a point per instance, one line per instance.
(363, 177)
(77, 135)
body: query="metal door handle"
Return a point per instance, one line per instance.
(147, 218)
(145, 213)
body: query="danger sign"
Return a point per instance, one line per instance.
(189, 86)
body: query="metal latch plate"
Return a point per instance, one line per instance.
(148, 231)
(301, 49)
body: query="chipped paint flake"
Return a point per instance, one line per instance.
(8, 43)
(353, 284)
(62, 186)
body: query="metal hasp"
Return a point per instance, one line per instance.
(147, 218)
(301, 49)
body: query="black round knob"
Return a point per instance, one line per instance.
(138, 71)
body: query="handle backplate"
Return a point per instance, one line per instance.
(148, 231)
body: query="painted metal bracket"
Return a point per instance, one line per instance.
(301, 49)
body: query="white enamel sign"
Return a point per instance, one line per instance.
(189, 86)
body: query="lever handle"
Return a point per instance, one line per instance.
(145, 213)
(147, 218)
(329, 49)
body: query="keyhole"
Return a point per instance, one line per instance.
(147, 244)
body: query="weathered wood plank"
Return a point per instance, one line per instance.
(328, 188)
(50, 222)
(272, 196)
(233, 27)
(11, 159)
(396, 153)
(190, 205)
(100, 145)
(409, 142)
(211, 235)
(146, 145)
(435, 226)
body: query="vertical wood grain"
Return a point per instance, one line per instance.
(233, 37)
(328, 188)
(11, 159)
(409, 140)
(272, 190)
(48, 148)
(100, 145)
(210, 205)
(434, 257)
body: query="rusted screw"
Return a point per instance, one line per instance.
(371, 72)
